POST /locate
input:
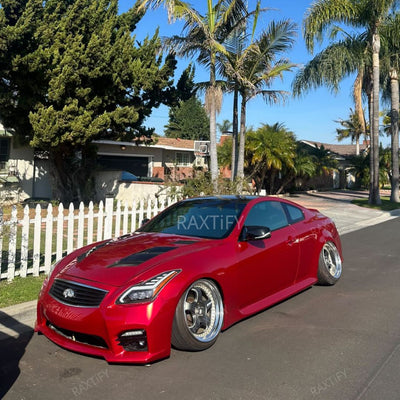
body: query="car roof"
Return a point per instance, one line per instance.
(233, 198)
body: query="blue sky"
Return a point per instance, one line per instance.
(310, 117)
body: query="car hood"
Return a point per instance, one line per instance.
(116, 262)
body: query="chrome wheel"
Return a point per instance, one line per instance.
(198, 317)
(203, 311)
(332, 260)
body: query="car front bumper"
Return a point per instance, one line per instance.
(137, 333)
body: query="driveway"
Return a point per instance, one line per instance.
(337, 205)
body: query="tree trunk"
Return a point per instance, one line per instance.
(235, 147)
(272, 182)
(374, 197)
(357, 145)
(370, 107)
(63, 185)
(357, 94)
(263, 174)
(394, 116)
(213, 127)
(242, 137)
(285, 182)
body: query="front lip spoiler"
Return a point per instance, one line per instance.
(75, 336)
(124, 357)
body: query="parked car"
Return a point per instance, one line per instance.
(189, 273)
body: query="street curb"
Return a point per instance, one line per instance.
(17, 309)
(17, 319)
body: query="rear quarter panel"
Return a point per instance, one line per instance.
(324, 230)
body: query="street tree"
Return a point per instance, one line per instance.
(268, 150)
(188, 120)
(73, 73)
(203, 35)
(252, 64)
(303, 167)
(390, 73)
(352, 128)
(369, 15)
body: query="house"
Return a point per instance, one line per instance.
(147, 165)
(342, 153)
(167, 159)
(25, 173)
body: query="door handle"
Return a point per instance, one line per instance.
(291, 241)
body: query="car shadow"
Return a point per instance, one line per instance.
(14, 338)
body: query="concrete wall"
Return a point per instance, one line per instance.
(108, 183)
(34, 176)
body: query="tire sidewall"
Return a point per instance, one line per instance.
(324, 276)
(182, 338)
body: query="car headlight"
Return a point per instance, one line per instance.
(147, 290)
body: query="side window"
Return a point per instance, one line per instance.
(295, 214)
(267, 213)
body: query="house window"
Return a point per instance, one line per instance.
(183, 160)
(136, 165)
(4, 152)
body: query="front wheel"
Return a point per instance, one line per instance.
(198, 317)
(329, 265)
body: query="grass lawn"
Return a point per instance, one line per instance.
(20, 290)
(386, 205)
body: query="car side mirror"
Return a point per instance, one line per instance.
(255, 233)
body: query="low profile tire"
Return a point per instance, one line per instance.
(329, 265)
(198, 317)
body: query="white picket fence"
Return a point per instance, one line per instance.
(31, 245)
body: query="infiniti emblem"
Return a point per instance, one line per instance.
(68, 293)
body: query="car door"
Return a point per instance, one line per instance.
(266, 266)
(307, 237)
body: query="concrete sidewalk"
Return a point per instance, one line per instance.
(337, 205)
(17, 319)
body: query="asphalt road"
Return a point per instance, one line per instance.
(340, 342)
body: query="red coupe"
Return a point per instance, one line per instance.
(192, 271)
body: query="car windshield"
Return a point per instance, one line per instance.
(206, 218)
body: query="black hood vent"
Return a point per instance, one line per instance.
(186, 241)
(84, 255)
(139, 258)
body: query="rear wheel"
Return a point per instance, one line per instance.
(198, 317)
(330, 265)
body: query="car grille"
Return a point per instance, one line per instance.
(84, 338)
(76, 294)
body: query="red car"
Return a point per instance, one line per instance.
(192, 271)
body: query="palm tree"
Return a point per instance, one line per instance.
(303, 167)
(391, 66)
(359, 166)
(367, 14)
(323, 160)
(333, 64)
(352, 128)
(269, 149)
(254, 68)
(204, 35)
(234, 44)
(225, 127)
